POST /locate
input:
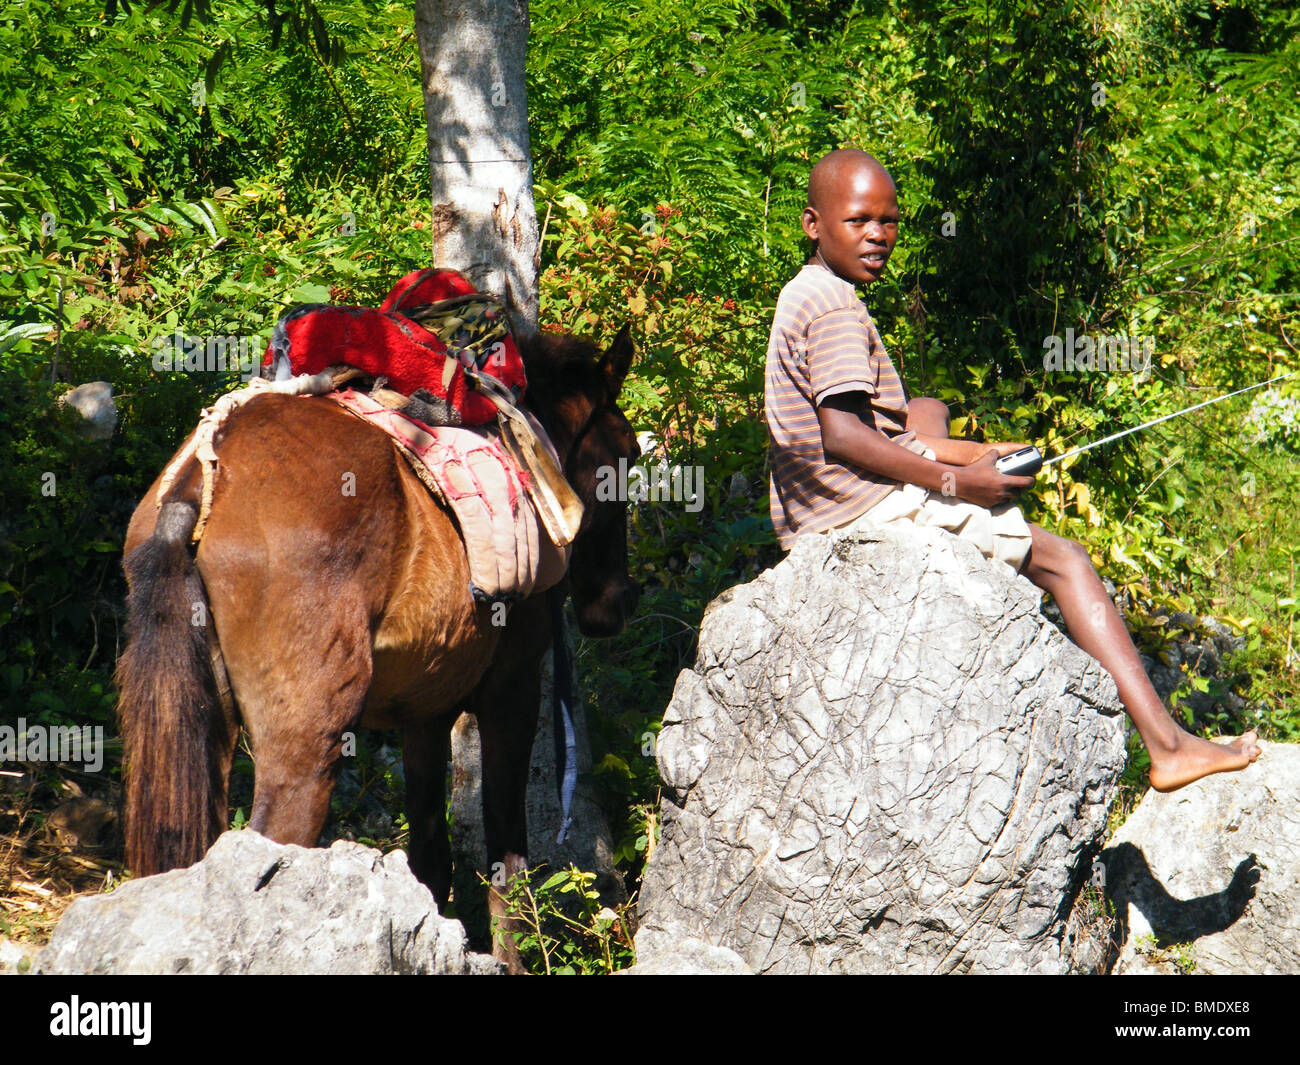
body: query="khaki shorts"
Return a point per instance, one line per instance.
(1000, 533)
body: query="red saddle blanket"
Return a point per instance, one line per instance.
(389, 342)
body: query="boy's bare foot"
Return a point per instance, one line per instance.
(1195, 758)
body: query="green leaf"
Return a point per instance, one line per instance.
(554, 880)
(16, 333)
(310, 293)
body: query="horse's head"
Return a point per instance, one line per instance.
(574, 391)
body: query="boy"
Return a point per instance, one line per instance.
(847, 444)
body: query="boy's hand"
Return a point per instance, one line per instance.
(982, 484)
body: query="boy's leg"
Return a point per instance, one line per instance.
(927, 416)
(1062, 568)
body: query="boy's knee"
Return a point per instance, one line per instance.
(1076, 556)
(928, 415)
(1052, 554)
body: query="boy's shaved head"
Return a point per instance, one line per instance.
(827, 177)
(852, 215)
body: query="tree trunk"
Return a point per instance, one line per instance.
(472, 56)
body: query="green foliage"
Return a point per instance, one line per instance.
(1009, 163)
(701, 106)
(566, 931)
(194, 108)
(604, 270)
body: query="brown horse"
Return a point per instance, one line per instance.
(308, 610)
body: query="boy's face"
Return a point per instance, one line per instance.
(856, 224)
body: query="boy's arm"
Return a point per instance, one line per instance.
(963, 452)
(846, 437)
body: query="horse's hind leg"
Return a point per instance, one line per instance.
(425, 747)
(297, 762)
(297, 709)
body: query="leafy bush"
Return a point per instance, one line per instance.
(566, 929)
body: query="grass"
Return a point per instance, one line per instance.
(1182, 956)
(44, 867)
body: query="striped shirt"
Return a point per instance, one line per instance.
(824, 342)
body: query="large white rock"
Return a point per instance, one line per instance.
(884, 760)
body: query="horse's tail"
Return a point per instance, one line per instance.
(173, 727)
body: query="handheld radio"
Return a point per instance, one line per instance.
(1023, 463)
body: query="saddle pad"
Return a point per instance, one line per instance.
(510, 553)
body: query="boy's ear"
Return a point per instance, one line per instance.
(810, 223)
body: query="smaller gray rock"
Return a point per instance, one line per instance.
(691, 957)
(94, 402)
(1204, 879)
(254, 906)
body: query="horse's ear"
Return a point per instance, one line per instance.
(617, 359)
